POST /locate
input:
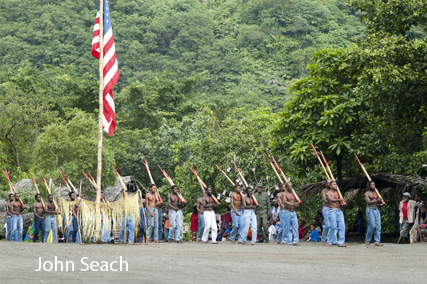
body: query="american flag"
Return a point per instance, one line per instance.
(111, 68)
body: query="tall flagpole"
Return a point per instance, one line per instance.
(101, 113)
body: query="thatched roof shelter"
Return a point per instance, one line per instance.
(386, 184)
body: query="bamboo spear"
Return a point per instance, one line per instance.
(171, 182)
(332, 177)
(286, 179)
(48, 190)
(321, 163)
(244, 181)
(37, 189)
(369, 178)
(274, 169)
(159, 199)
(120, 179)
(228, 178)
(12, 188)
(96, 187)
(66, 183)
(202, 184)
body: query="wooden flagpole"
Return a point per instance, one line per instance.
(101, 115)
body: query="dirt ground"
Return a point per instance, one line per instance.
(222, 263)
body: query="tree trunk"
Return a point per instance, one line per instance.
(13, 145)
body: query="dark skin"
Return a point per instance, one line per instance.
(286, 198)
(326, 190)
(38, 208)
(371, 197)
(208, 202)
(423, 211)
(151, 199)
(50, 207)
(9, 205)
(17, 207)
(173, 200)
(248, 201)
(333, 196)
(236, 199)
(182, 204)
(200, 202)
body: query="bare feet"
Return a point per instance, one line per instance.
(233, 242)
(323, 244)
(199, 241)
(367, 244)
(297, 245)
(342, 246)
(329, 245)
(379, 245)
(278, 243)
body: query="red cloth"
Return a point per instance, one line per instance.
(405, 210)
(300, 232)
(225, 219)
(193, 226)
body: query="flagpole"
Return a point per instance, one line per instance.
(101, 113)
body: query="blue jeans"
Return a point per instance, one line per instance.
(237, 224)
(75, 230)
(336, 219)
(153, 225)
(160, 213)
(130, 224)
(17, 228)
(201, 227)
(166, 234)
(39, 225)
(374, 225)
(289, 221)
(50, 223)
(9, 228)
(180, 220)
(175, 225)
(249, 219)
(325, 212)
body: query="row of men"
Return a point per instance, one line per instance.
(245, 214)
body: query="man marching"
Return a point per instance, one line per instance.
(249, 218)
(152, 218)
(9, 236)
(209, 216)
(288, 216)
(336, 217)
(39, 223)
(236, 214)
(50, 220)
(200, 217)
(373, 201)
(325, 211)
(175, 205)
(262, 213)
(17, 223)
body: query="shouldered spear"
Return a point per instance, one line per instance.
(12, 188)
(171, 182)
(369, 178)
(48, 190)
(244, 181)
(232, 183)
(202, 184)
(320, 161)
(37, 189)
(65, 181)
(286, 179)
(332, 177)
(159, 199)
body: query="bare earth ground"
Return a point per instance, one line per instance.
(222, 263)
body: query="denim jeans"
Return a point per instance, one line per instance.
(175, 225)
(160, 213)
(130, 225)
(153, 224)
(336, 219)
(201, 227)
(39, 225)
(166, 234)
(289, 221)
(180, 220)
(74, 231)
(50, 223)
(249, 219)
(325, 212)
(374, 225)
(17, 228)
(237, 224)
(9, 223)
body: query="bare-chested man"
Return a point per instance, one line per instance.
(50, 220)
(249, 217)
(17, 223)
(153, 217)
(325, 211)
(39, 224)
(71, 231)
(209, 216)
(9, 215)
(201, 218)
(288, 216)
(336, 217)
(175, 205)
(236, 214)
(373, 201)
